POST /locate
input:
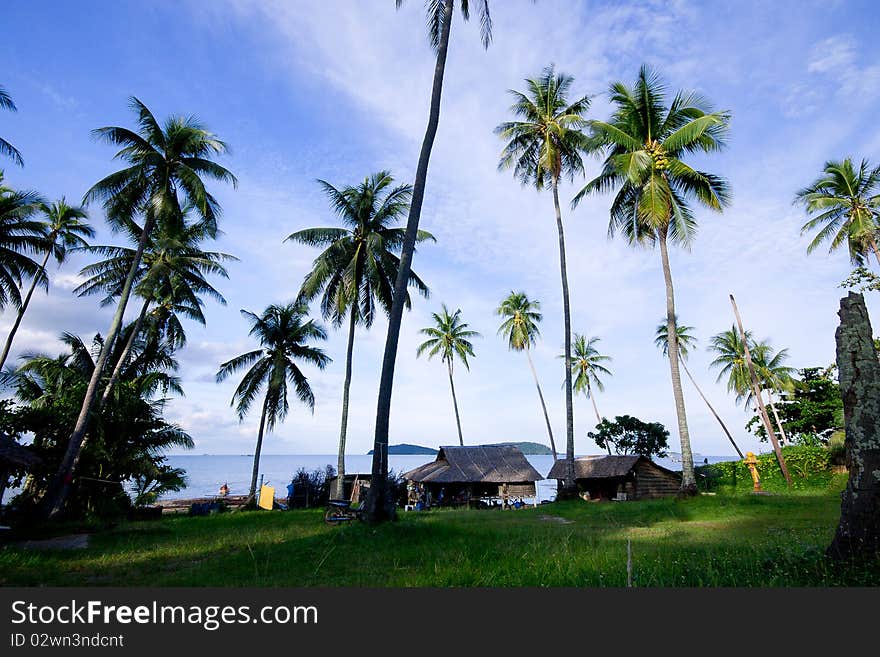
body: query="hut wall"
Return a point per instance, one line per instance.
(653, 482)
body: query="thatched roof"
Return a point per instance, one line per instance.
(13, 455)
(495, 464)
(599, 467)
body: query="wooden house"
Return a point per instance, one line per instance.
(630, 477)
(470, 475)
(14, 459)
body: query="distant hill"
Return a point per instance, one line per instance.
(407, 449)
(531, 449)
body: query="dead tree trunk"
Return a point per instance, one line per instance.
(858, 533)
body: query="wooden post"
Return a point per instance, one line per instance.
(756, 390)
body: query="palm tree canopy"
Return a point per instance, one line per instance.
(521, 318)
(646, 142)
(843, 204)
(359, 264)
(769, 364)
(21, 235)
(547, 138)
(6, 148)
(66, 228)
(449, 337)
(686, 339)
(284, 333)
(586, 365)
(166, 164)
(434, 19)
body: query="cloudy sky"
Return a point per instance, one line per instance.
(340, 89)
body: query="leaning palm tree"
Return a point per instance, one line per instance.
(356, 271)
(166, 167)
(379, 504)
(6, 148)
(844, 205)
(686, 341)
(284, 333)
(587, 369)
(520, 328)
(544, 146)
(645, 142)
(449, 337)
(774, 375)
(21, 234)
(65, 230)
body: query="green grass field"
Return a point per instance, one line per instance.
(723, 540)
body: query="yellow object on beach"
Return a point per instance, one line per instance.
(267, 497)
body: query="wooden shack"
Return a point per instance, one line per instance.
(14, 459)
(482, 474)
(630, 477)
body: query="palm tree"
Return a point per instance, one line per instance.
(166, 167)
(645, 141)
(587, 368)
(6, 148)
(844, 204)
(773, 375)
(686, 341)
(544, 145)
(65, 230)
(520, 329)
(449, 337)
(20, 234)
(439, 25)
(284, 333)
(357, 269)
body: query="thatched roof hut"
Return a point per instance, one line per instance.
(613, 477)
(15, 457)
(480, 471)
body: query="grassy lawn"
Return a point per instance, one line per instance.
(723, 540)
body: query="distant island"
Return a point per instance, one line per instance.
(407, 449)
(529, 449)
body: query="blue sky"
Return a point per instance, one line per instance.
(339, 90)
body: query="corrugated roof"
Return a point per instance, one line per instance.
(478, 464)
(596, 467)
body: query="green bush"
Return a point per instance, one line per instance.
(809, 467)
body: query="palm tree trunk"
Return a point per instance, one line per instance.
(596, 411)
(569, 487)
(21, 312)
(703, 397)
(543, 405)
(343, 430)
(876, 250)
(455, 405)
(256, 470)
(688, 480)
(125, 355)
(59, 488)
(378, 507)
(776, 416)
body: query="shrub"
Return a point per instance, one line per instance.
(809, 467)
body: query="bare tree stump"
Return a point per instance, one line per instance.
(858, 534)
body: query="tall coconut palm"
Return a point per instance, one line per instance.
(284, 333)
(358, 267)
(21, 234)
(65, 230)
(587, 369)
(166, 167)
(844, 205)
(544, 146)
(439, 15)
(6, 148)
(686, 341)
(646, 141)
(449, 337)
(520, 328)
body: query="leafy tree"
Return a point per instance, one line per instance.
(844, 204)
(686, 341)
(21, 234)
(166, 167)
(543, 146)
(6, 148)
(380, 504)
(587, 369)
(284, 333)
(629, 435)
(356, 271)
(449, 337)
(646, 141)
(65, 230)
(520, 328)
